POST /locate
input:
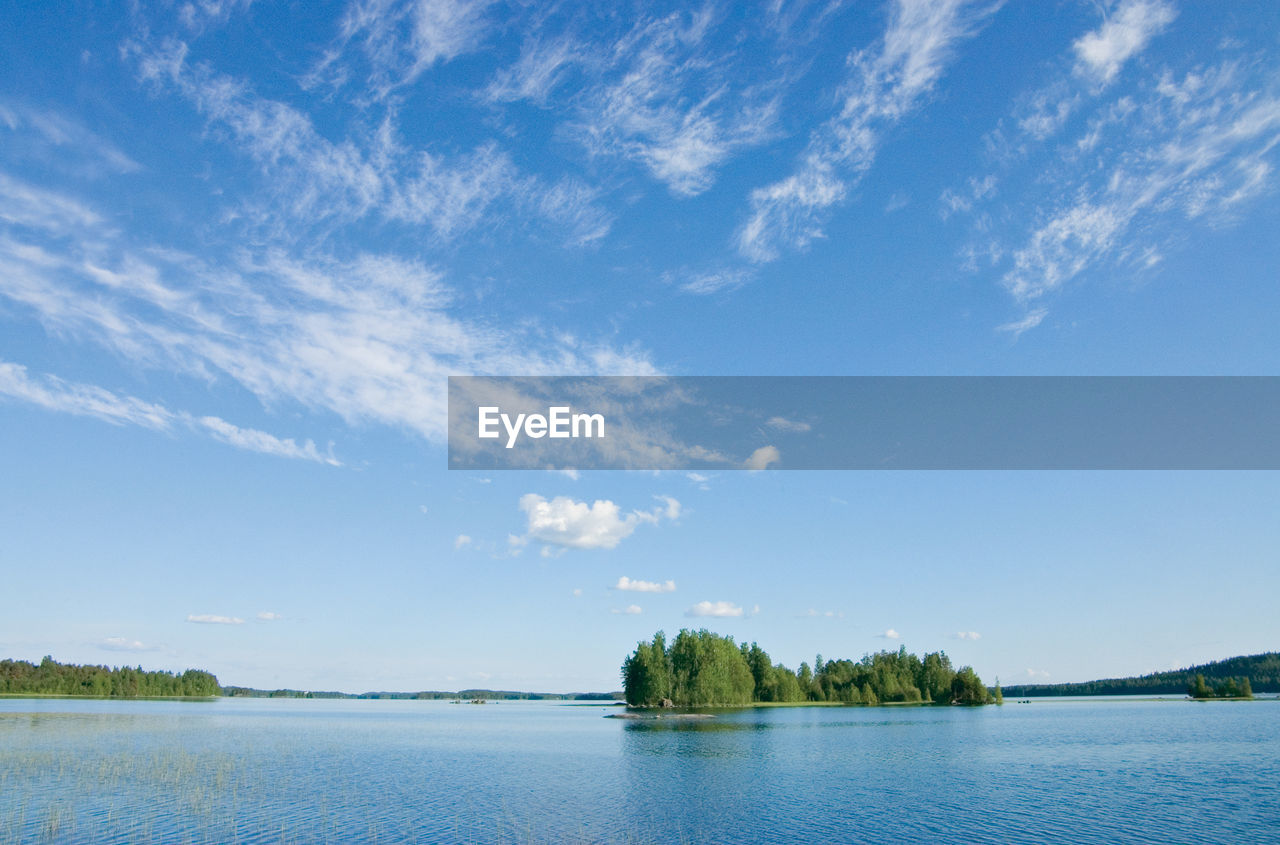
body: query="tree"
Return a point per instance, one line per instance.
(967, 688)
(646, 674)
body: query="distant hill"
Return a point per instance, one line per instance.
(1262, 670)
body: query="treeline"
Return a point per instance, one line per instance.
(50, 677)
(703, 669)
(427, 695)
(1261, 670)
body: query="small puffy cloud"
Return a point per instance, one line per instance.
(1125, 33)
(890, 634)
(600, 525)
(570, 473)
(714, 608)
(629, 610)
(625, 583)
(703, 481)
(966, 635)
(762, 457)
(462, 541)
(124, 644)
(577, 591)
(784, 424)
(269, 616)
(813, 613)
(212, 619)
(1037, 674)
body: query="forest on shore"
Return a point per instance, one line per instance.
(1262, 671)
(49, 677)
(704, 669)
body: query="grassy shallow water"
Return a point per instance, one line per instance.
(297, 771)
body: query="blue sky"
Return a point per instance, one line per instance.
(242, 245)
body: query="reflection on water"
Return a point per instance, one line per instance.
(338, 771)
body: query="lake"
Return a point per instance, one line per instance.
(277, 770)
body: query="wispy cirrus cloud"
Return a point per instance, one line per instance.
(1208, 146)
(389, 44)
(214, 619)
(54, 394)
(86, 400)
(55, 140)
(1165, 149)
(1125, 33)
(312, 179)
(370, 338)
(713, 280)
(1095, 62)
(667, 110)
(660, 94)
(888, 82)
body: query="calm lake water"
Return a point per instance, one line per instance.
(240, 770)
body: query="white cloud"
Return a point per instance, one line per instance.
(54, 394)
(267, 444)
(542, 65)
(461, 541)
(762, 457)
(211, 619)
(714, 281)
(813, 613)
(124, 644)
(1205, 149)
(784, 424)
(966, 635)
(887, 83)
(398, 40)
(600, 525)
(28, 205)
(625, 583)
(1037, 674)
(79, 151)
(269, 616)
(370, 338)
(716, 608)
(629, 610)
(1123, 35)
(311, 180)
(1029, 321)
(667, 107)
(577, 591)
(890, 634)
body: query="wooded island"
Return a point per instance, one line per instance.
(703, 669)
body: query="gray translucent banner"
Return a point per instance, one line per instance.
(819, 422)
